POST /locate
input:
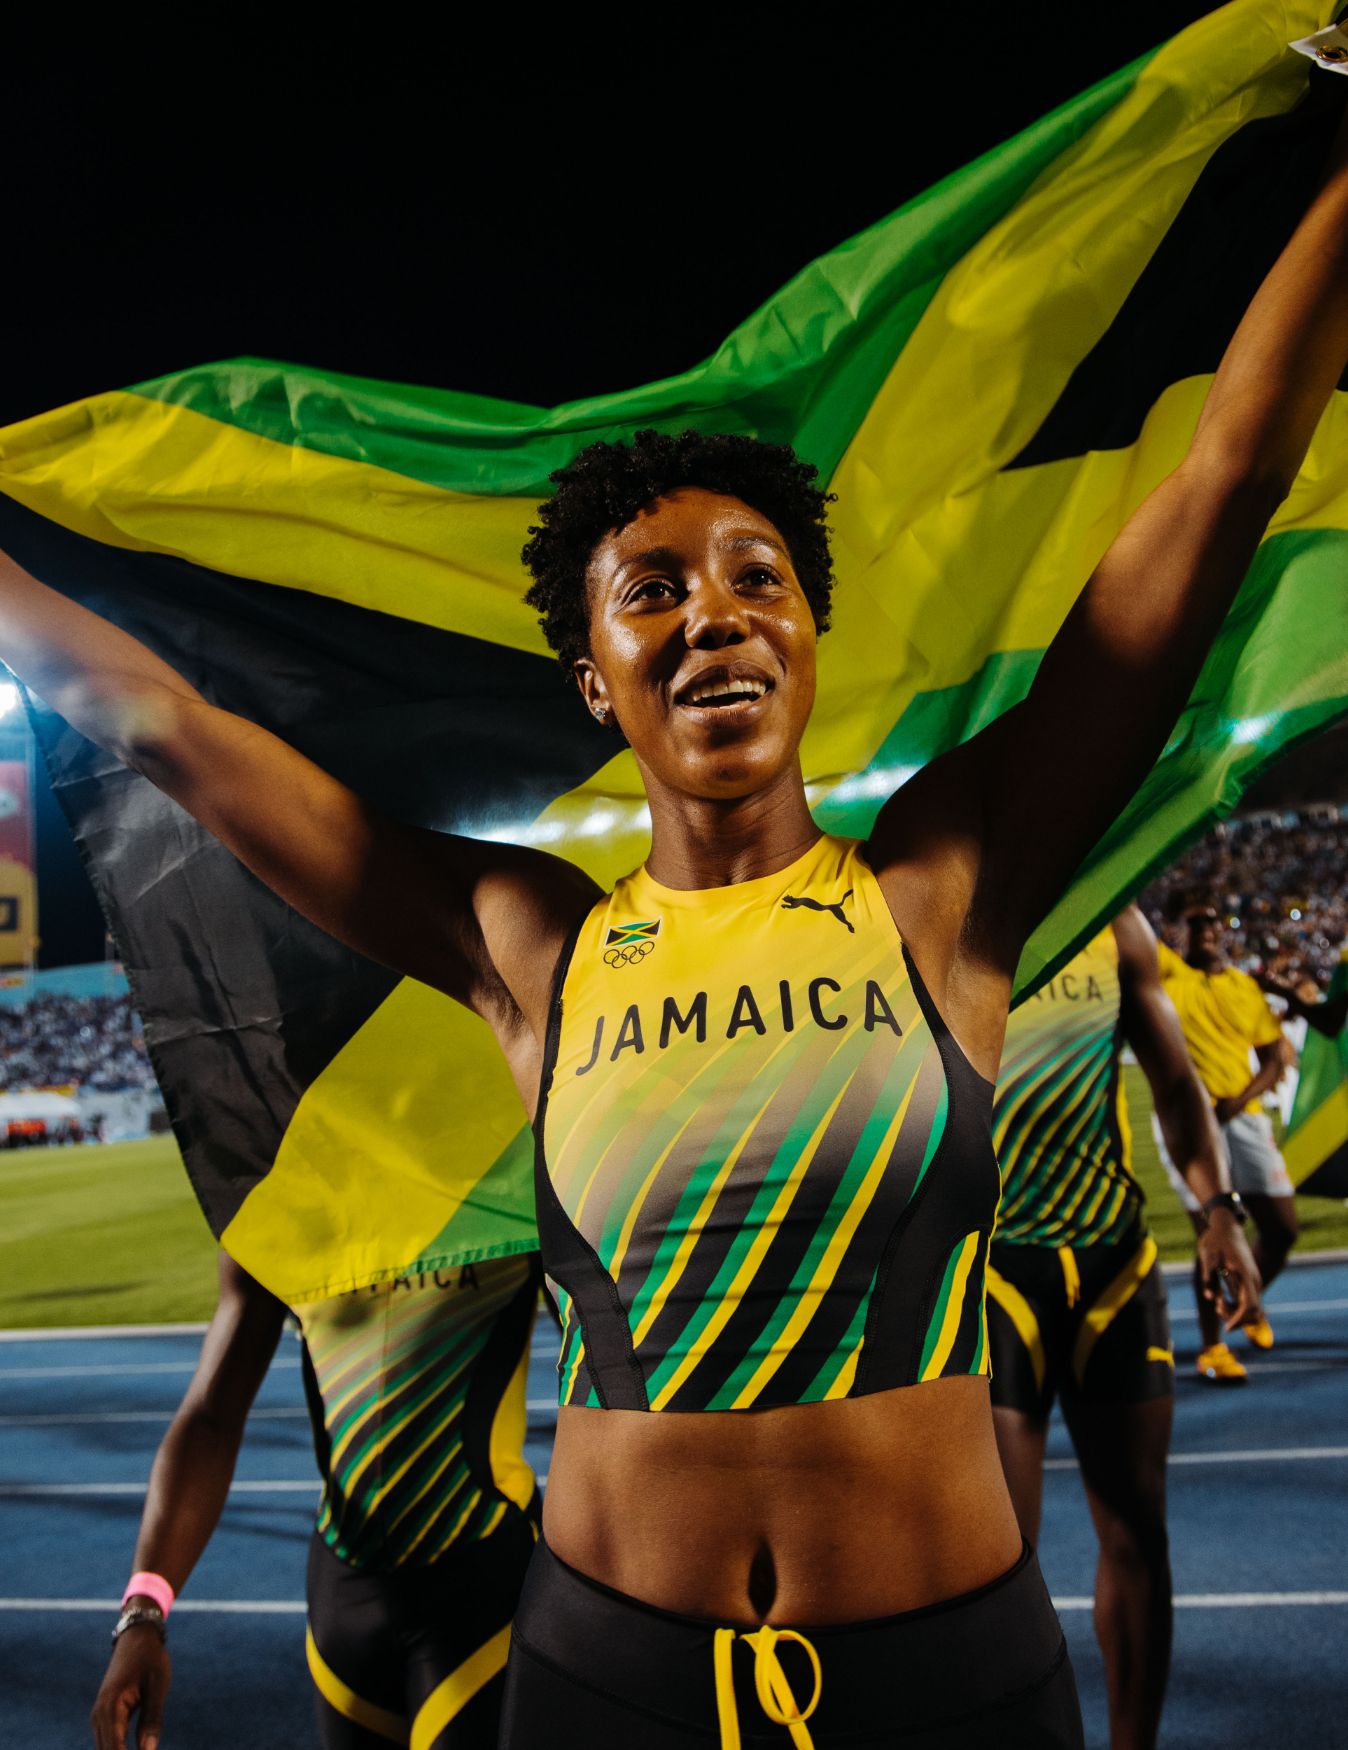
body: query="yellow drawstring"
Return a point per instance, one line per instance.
(774, 1692)
(1070, 1274)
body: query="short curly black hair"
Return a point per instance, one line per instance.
(606, 485)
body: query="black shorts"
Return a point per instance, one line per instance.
(590, 1668)
(1089, 1323)
(419, 1649)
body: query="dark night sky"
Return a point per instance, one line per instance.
(549, 212)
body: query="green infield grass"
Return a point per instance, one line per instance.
(111, 1234)
(1324, 1220)
(103, 1234)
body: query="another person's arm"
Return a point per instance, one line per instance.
(473, 918)
(1272, 1058)
(1326, 1015)
(994, 830)
(188, 1486)
(1151, 1026)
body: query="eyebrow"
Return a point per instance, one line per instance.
(737, 542)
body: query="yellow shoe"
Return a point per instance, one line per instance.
(1260, 1333)
(1218, 1365)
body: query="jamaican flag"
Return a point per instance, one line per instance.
(990, 380)
(1316, 1144)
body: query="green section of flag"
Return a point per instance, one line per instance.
(1316, 1144)
(1257, 697)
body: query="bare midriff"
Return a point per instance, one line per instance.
(811, 1514)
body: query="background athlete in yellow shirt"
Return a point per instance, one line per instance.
(1225, 1017)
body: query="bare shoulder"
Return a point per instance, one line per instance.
(1139, 958)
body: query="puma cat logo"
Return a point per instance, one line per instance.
(791, 902)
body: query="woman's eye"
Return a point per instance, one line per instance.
(759, 576)
(651, 588)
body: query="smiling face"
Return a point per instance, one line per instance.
(701, 644)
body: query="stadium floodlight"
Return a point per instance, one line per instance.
(9, 698)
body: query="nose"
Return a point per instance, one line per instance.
(715, 617)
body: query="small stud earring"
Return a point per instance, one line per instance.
(601, 714)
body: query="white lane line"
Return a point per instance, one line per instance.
(1221, 1600)
(293, 1607)
(1253, 1455)
(57, 1491)
(82, 1333)
(225, 1606)
(73, 1418)
(101, 1369)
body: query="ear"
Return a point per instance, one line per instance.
(593, 690)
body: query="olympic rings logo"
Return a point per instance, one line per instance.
(628, 955)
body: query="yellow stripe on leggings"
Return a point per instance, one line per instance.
(1021, 1314)
(458, 1689)
(1110, 1304)
(347, 1703)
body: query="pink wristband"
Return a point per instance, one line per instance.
(150, 1586)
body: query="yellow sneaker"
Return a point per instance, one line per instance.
(1218, 1365)
(1260, 1333)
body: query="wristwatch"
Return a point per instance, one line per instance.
(134, 1613)
(1228, 1200)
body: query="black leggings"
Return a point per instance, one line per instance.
(985, 1671)
(415, 1655)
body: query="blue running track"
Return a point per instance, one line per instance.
(1258, 1512)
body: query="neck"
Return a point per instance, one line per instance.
(699, 841)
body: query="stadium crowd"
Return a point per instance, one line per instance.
(90, 1043)
(1280, 885)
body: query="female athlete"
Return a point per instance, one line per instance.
(761, 1067)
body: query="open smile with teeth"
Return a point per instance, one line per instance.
(721, 695)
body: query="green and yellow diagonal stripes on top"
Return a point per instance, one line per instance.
(1059, 1123)
(818, 1269)
(405, 1477)
(961, 1286)
(738, 1177)
(949, 372)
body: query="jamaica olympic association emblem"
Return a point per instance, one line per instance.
(627, 944)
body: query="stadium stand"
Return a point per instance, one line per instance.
(1278, 878)
(90, 1043)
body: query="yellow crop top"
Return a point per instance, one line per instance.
(764, 1167)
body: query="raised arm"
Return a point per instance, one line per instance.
(188, 1486)
(1152, 1028)
(474, 919)
(1326, 1015)
(998, 827)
